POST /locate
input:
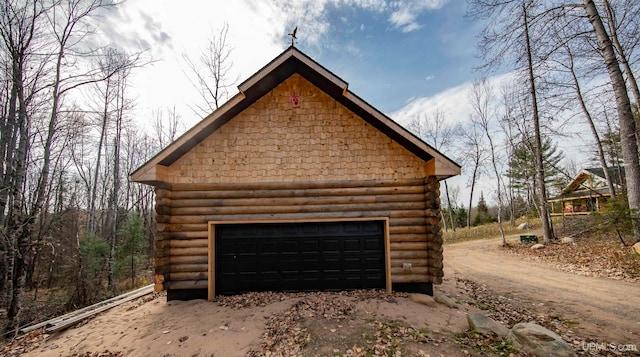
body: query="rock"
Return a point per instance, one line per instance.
(444, 300)
(525, 225)
(636, 248)
(537, 246)
(423, 299)
(537, 340)
(567, 240)
(485, 325)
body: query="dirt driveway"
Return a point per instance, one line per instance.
(605, 310)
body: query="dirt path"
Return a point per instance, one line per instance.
(604, 310)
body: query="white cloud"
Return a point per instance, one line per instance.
(405, 13)
(429, 78)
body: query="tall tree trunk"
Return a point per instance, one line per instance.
(625, 116)
(540, 176)
(592, 126)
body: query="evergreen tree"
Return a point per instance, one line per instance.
(132, 246)
(482, 215)
(522, 168)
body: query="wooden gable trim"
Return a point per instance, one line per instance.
(282, 67)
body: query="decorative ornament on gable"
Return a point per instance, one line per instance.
(294, 99)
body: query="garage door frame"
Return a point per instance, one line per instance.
(212, 239)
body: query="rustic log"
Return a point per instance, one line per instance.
(295, 185)
(163, 193)
(187, 259)
(407, 229)
(246, 194)
(291, 201)
(177, 268)
(187, 284)
(162, 210)
(408, 237)
(415, 262)
(406, 222)
(160, 201)
(253, 209)
(410, 278)
(285, 217)
(165, 227)
(175, 252)
(188, 276)
(182, 235)
(413, 246)
(414, 270)
(407, 254)
(182, 243)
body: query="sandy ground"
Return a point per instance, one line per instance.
(604, 311)
(201, 328)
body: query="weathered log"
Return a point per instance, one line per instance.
(407, 229)
(285, 217)
(413, 246)
(414, 270)
(186, 259)
(243, 193)
(176, 268)
(160, 201)
(291, 201)
(409, 278)
(422, 262)
(233, 210)
(182, 235)
(407, 254)
(174, 252)
(165, 227)
(188, 276)
(162, 210)
(406, 222)
(187, 284)
(408, 237)
(295, 185)
(163, 193)
(181, 243)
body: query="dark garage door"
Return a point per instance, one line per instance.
(299, 256)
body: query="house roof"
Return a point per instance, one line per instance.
(268, 77)
(576, 188)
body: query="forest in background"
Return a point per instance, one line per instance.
(75, 230)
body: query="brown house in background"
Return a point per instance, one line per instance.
(296, 184)
(587, 192)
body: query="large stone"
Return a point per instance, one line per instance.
(485, 325)
(539, 341)
(568, 240)
(423, 299)
(636, 248)
(537, 246)
(444, 300)
(525, 225)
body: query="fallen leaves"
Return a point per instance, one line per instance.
(588, 257)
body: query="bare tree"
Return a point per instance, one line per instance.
(473, 153)
(434, 130)
(209, 74)
(626, 121)
(480, 98)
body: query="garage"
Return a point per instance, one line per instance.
(296, 184)
(307, 256)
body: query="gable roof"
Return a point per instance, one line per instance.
(268, 77)
(577, 187)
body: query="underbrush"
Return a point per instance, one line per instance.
(487, 231)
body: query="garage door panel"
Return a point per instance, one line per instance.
(299, 256)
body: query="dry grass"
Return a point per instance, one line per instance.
(486, 231)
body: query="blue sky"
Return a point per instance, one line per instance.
(391, 53)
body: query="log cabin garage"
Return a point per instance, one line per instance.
(296, 184)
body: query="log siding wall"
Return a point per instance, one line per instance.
(184, 210)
